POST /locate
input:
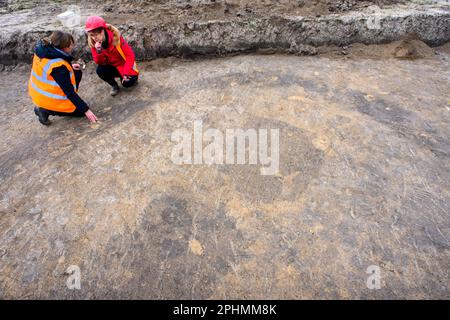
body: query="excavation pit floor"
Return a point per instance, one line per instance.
(363, 184)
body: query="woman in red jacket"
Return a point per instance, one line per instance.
(114, 57)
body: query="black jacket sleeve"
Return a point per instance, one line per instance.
(62, 78)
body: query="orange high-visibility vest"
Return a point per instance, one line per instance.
(44, 90)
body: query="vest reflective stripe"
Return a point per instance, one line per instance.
(49, 64)
(48, 94)
(44, 90)
(47, 81)
(42, 79)
(60, 62)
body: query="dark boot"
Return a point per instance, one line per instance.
(115, 90)
(42, 115)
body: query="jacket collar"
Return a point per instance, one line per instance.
(106, 41)
(111, 39)
(50, 52)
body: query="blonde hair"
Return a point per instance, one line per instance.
(114, 30)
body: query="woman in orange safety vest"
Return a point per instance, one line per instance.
(54, 80)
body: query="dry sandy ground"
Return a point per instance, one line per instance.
(364, 180)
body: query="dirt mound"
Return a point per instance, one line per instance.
(412, 49)
(444, 49)
(403, 49)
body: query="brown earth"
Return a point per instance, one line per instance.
(164, 11)
(404, 49)
(186, 28)
(363, 180)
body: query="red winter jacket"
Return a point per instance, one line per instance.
(111, 55)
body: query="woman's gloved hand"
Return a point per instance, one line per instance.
(126, 78)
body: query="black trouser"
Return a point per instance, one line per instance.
(108, 74)
(76, 113)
